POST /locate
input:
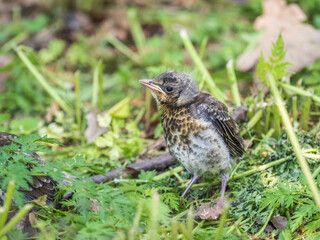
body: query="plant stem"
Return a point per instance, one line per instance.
(123, 49)
(221, 223)
(78, 101)
(288, 218)
(148, 108)
(136, 30)
(154, 216)
(95, 87)
(266, 223)
(200, 65)
(293, 139)
(190, 225)
(100, 85)
(294, 108)
(134, 229)
(316, 172)
(202, 48)
(234, 84)
(168, 173)
(15, 219)
(14, 42)
(300, 91)
(257, 116)
(42, 80)
(268, 135)
(267, 119)
(7, 204)
(244, 174)
(304, 118)
(276, 122)
(316, 129)
(139, 115)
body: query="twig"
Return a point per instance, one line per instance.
(160, 162)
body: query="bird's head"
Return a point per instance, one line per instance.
(173, 89)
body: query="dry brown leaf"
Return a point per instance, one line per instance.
(94, 207)
(52, 110)
(33, 219)
(211, 210)
(41, 201)
(93, 130)
(301, 41)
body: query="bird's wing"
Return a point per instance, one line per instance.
(217, 113)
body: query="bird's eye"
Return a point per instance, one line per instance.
(169, 89)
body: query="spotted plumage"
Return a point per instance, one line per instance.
(197, 128)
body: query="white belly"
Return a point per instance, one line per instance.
(205, 152)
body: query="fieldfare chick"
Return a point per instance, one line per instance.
(198, 130)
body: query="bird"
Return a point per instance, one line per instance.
(198, 130)
(40, 185)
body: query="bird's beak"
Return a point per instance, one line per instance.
(148, 83)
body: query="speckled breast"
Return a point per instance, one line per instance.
(195, 143)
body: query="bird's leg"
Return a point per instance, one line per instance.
(224, 181)
(193, 180)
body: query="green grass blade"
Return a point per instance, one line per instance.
(123, 49)
(78, 101)
(95, 88)
(15, 219)
(253, 121)
(293, 139)
(14, 42)
(221, 223)
(234, 84)
(300, 92)
(136, 30)
(304, 118)
(7, 203)
(200, 65)
(100, 86)
(43, 82)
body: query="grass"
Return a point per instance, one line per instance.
(279, 174)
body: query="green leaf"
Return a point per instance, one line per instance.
(285, 235)
(147, 175)
(305, 211)
(26, 125)
(54, 50)
(312, 226)
(36, 24)
(4, 117)
(276, 65)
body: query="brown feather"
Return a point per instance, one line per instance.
(216, 112)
